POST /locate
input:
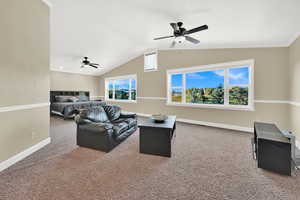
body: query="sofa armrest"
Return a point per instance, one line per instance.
(80, 120)
(126, 115)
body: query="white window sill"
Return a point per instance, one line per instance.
(150, 70)
(121, 101)
(222, 107)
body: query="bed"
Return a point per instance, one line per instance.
(67, 103)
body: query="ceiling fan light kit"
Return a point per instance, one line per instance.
(179, 39)
(180, 34)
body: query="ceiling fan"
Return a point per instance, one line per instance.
(181, 34)
(86, 63)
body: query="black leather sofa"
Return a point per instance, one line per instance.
(104, 127)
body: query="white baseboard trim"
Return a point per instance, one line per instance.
(20, 156)
(23, 107)
(212, 124)
(217, 125)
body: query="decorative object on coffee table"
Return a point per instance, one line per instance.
(157, 138)
(159, 118)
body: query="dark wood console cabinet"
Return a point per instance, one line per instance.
(272, 149)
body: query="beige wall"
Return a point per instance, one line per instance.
(271, 83)
(24, 74)
(295, 86)
(74, 82)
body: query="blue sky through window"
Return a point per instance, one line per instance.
(133, 84)
(110, 85)
(208, 79)
(239, 75)
(122, 84)
(176, 80)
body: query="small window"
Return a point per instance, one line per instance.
(150, 61)
(121, 88)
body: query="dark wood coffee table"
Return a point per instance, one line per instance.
(157, 138)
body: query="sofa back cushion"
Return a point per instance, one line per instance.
(95, 114)
(113, 111)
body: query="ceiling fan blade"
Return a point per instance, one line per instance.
(159, 38)
(192, 40)
(173, 44)
(175, 26)
(194, 30)
(93, 66)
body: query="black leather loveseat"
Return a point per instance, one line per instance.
(104, 127)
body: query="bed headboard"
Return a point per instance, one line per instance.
(68, 93)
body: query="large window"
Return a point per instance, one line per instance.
(226, 85)
(122, 88)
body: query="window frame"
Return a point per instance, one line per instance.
(148, 53)
(220, 66)
(117, 78)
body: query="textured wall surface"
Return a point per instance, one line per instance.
(294, 72)
(74, 82)
(271, 83)
(24, 74)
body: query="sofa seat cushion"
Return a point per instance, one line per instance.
(131, 122)
(119, 128)
(97, 128)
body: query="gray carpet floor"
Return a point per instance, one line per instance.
(207, 163)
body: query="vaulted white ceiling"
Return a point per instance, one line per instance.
(111, 32)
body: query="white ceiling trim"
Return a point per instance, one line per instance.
(72, 72)
(113, 41)
(109, 69)
(47, 3)
(194, 48)
(104, 71)
(293, 39)
(241, 46)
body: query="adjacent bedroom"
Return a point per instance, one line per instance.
(147, 100)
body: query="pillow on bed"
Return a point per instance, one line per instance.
(66, 99)
(83, 98)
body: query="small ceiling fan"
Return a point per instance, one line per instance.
(181, 34)
(86, 63)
